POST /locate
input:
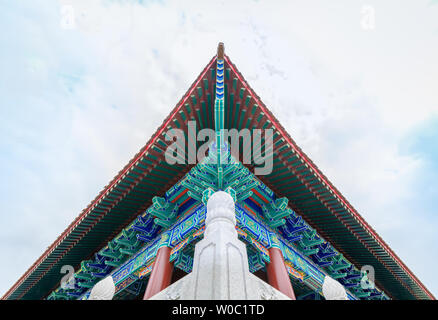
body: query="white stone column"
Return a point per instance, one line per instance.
(220, 269)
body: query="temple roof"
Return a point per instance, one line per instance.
(294, 176)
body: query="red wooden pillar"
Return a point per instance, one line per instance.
(277, 273)
(161, 274)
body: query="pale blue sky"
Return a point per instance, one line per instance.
(77, 103)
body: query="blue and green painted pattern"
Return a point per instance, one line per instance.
(183, 211)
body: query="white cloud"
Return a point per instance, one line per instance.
(347, 96)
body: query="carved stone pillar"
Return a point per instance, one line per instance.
(161, 274)
(220, 269)
(277, 273)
